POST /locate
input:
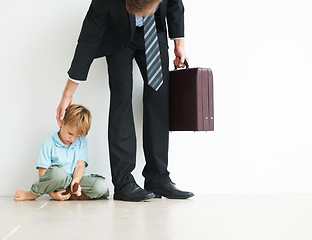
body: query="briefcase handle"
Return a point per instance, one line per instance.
(186, 65)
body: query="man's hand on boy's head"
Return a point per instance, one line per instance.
(66, 100)
(60, 112)
(59, 196)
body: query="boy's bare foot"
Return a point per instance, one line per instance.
(22, 195)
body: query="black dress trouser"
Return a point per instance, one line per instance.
(121, 130)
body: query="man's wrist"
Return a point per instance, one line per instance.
(74, 80)
(70, 89)
(179, 43)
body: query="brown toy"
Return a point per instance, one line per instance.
(74, 196)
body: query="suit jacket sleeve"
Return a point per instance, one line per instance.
(175, 18)
(93, 28)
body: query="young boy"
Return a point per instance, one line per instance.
(63, 159)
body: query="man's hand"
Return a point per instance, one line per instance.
(60, 112)
(180, 53)
(66, 101)
(58, 196)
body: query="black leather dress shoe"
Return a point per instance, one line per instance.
(169, 190)
(133, 192)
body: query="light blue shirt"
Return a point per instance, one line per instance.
(139, 21)
(54, 152)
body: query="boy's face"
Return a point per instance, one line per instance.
(68, 134)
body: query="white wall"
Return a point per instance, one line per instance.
(261, 56)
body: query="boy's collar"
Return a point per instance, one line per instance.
(59, 143)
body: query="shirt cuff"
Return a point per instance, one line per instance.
(74, 80)
(177, 38)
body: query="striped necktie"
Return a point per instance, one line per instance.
(152, 54)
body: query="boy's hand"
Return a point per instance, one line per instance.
(77, 176)
(58, 196)
(74, 189)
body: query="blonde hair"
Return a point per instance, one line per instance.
(135, 6)
(78, 116)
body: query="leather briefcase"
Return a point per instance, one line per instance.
(191, 99)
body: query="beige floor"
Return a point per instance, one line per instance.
(208, 217)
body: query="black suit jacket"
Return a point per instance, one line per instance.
(108, 27)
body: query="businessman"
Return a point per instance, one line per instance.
(123, 30)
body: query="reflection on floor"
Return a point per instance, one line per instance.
(207, 217)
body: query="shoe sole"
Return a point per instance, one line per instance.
(121, 198)
(158, 195)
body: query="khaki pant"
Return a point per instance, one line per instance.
(56, 179)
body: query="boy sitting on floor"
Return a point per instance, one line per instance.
(62, 162)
